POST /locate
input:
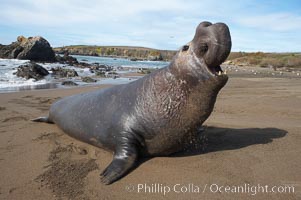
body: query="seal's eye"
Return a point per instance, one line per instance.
(185, 48)
(204, 47)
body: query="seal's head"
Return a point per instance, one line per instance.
(209, 48)
(212, 42)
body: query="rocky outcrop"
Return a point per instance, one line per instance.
(112, 74)
(32, 48)
(88, 79)
(31, 70)
(66, 59)
(69, 83)
(61, 72)
(100, 68)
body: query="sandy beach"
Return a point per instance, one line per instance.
(251, 139)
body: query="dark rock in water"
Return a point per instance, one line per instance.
(88, 80)
(32, 48)
(66, 59)
(112, 74)
(31, 70)
(83, 65)
(145, 70)
(134, 59)
(100, 70)
(69, 83)
(61, 72)
(100, 73)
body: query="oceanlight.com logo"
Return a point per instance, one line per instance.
(159, 188)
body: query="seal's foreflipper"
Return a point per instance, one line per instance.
(42, 119)
(123, 161)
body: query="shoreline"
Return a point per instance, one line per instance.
(124, 79)
(128, 76)
(94, 69)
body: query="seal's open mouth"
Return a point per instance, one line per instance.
(217, 70)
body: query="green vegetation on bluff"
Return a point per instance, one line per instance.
(274, 60)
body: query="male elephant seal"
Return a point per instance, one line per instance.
(153, 115)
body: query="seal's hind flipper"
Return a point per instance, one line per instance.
(123, 161)
(42, 119)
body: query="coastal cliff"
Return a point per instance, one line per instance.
(261, 59)
(134, 53)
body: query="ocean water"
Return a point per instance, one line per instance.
(121, 62)
(10, 82)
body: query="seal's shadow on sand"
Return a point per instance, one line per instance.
(221, 139)
(216, 139)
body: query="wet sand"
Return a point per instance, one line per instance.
(252, 138)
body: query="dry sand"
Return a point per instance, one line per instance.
(252, 137)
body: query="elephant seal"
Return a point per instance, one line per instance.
(153, 115)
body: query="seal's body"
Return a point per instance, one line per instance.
(153, 115)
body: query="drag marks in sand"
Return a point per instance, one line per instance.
(68, 168)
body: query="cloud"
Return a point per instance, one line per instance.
(163, 24)
(61, 13)
(272, 22)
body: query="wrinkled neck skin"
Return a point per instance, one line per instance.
(175, 101)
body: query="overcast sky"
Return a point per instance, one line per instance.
(255, 25)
